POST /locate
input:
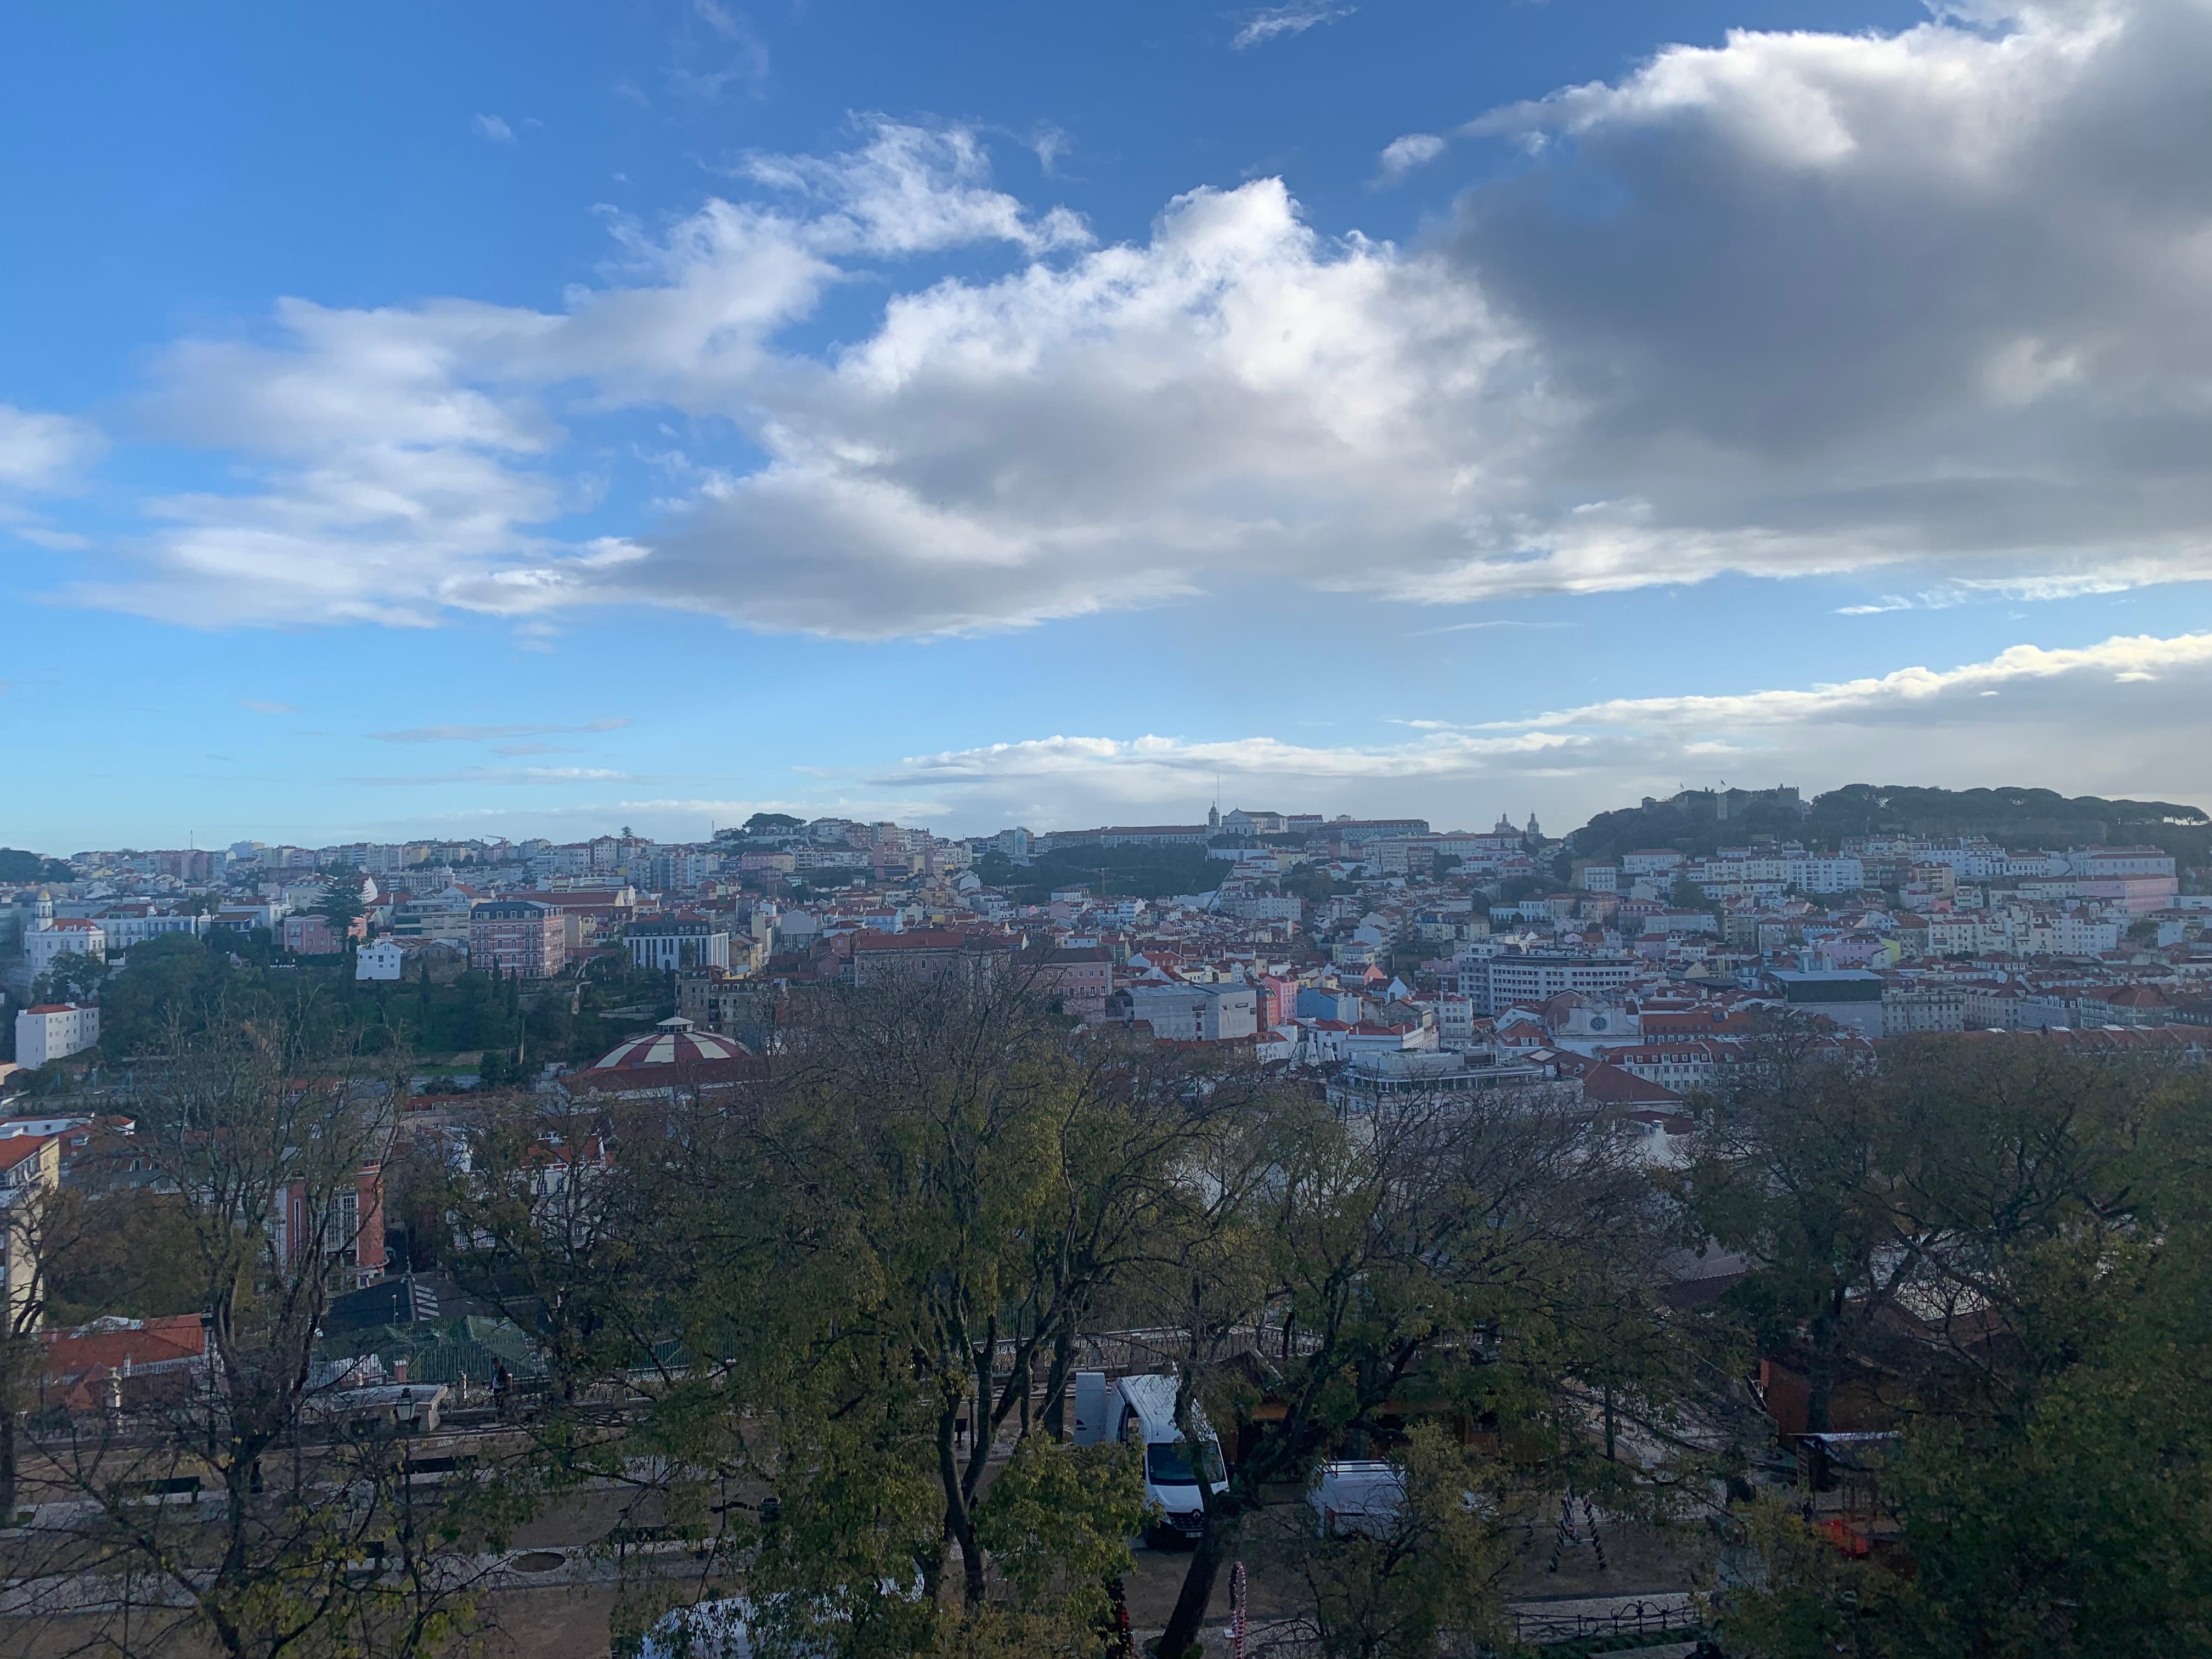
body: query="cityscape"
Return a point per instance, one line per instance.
(486, 1054)
(1384, 942)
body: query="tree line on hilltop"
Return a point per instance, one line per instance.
(2021, 819)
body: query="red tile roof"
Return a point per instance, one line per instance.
(20, 1149)
(112, 1344)
(1610, 1085)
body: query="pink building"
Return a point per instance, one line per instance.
(1081, 977)
(518, 936)
(310, 935)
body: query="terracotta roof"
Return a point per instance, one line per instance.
(1610, 1085)
(110, 1343)
(21, 1148)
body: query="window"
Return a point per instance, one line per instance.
(1169, 1464)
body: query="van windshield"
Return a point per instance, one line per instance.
(1169, 1464)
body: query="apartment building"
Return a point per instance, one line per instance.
(670, 946)
(1508, 979)
(1194, 1013)
(54, 1030)
(518, 936)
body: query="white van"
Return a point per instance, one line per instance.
(1363, 1498)
(1140, 1409)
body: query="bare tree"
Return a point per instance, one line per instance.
(258, 1501)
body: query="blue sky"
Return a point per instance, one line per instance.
(536, 418)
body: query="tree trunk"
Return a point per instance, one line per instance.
(1197, 1591)
(1055, 1386)
(7, 1465)
(959, 1521)
(1821, 1379)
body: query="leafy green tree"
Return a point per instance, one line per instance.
(130, 1256)
(1401, 1586)
(852, 1285)
(72, 976)
(2051, 1482)
(1447, 1258)
(1002, 1179)
(18, 865)
(341, 906)
(1790, 1171)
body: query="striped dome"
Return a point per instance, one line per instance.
(672, 1042)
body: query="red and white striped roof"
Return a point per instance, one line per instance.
(673, 1043)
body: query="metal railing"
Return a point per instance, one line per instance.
(1673, 1616)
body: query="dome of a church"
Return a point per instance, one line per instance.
(672, 1042)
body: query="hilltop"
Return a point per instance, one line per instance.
(1700, 821)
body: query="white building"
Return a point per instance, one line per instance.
(124, 928)
(1670, 923)
(2080, 934)
(1455, 1018)
(67, 936)
(1196, 1013)
(53, 1031)
(1390, 1080)
(2107, 861)
(57, 1124)
(1531, 977)
(1267, 906)
(1826, 875)
(29, 1165)
(668, 946)
(382, 960)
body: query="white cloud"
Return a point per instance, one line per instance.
(1270, 22)
(42, 455)
(42, 452)
(1931, 302)
(1403, 155)
(492, 127)
(2123, 717)
(264, 706)
(910, 190)
(1910, 693)
(724, 50)
(57, 541)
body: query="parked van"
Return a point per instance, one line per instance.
(1140, 1410)
(1364, 1497)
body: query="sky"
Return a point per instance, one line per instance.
(536, 418)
